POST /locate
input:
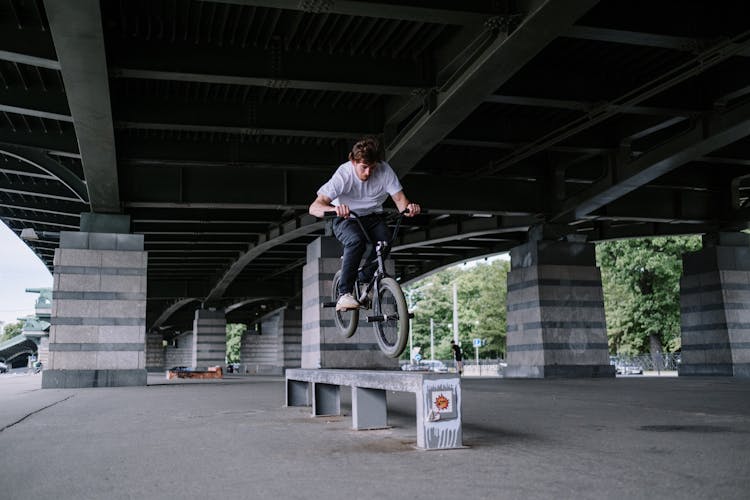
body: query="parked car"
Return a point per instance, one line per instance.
(629, 369)
(426, 365)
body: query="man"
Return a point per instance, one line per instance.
(361, 184)
(458, 357)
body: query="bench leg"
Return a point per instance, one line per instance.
(439, 414)
(297, 393)
(326, 400)
(368, 409)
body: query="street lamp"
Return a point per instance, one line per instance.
(31, 235)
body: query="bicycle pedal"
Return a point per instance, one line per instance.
(328, 304)
(373, 319)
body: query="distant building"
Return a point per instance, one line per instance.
(33, 342)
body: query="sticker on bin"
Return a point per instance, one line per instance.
(443, 402)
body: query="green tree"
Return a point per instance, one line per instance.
(481, 291)
(11, 330)
(234, 339)
(641, 283)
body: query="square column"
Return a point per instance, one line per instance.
(322, 344)
(97, 337)
(715, 308)
(209, 338)
(556, 324)
(276, 346)
(155, 352)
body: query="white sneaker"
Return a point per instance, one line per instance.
(346, 302)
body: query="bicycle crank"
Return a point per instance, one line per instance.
(385, 317)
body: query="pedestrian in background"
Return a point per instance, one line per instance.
(457, 356)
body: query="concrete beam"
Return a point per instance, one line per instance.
(704, 137)
(492, 67)
(79, 42)
(371, 9)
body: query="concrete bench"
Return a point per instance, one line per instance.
(438, 397)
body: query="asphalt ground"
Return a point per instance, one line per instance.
(629, 437)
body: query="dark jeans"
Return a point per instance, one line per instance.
(350, 235)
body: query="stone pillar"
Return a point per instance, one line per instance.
(556, 325)
(292, 333)
(715, 307)
(322, 344)
(262, 349)
(276, 345)
(154, 352)
(98, 324)
(180, 353)
(209, 338)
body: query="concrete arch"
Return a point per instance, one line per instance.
(254, 300)
(169, 311)
(42, 162)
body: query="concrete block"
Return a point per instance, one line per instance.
(126, 334)
(123, 284)
(105, 223)
(122, 259)
(79, 282)
(122, 308)
(74, 360)
(734, 277)
(298, 393)
(69, 239)
(102, 241)
(324, 247)
(77, 309)
(130, 242)
(76, 257)
(117, 360)
(75, 334)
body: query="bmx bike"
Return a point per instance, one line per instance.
(389, 313)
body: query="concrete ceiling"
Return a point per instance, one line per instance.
(211, 124)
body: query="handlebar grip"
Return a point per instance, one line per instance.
(330, 213)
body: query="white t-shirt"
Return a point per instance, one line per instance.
(364, 197)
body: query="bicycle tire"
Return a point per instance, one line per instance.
(393, 333)
(346, 321)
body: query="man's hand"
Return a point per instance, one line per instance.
(414, 209)
(342, 211)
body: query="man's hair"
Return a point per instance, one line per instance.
(367, 150)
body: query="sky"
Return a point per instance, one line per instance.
(20, 269)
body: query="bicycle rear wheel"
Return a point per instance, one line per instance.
(393, 332)
(346, 321)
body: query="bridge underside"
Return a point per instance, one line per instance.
(211, 125)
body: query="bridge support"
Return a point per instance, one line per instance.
(276, 346)
(322, 344)
(155, 356)
(715, 307)
(556, 325)
(209, 338)
(97, 337)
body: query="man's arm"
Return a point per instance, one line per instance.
(322, 204)
(402, 202)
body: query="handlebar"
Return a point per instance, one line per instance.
(399, 218)
(332, 213)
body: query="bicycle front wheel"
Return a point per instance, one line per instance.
(346, 321)
(393, 331)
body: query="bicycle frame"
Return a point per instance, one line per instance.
(390, 314)
(380, 272)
